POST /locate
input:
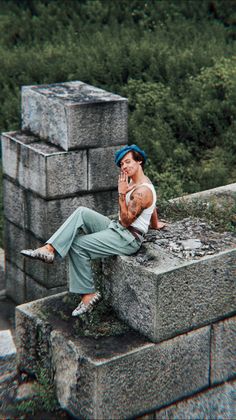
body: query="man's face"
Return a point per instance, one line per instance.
(128, 165)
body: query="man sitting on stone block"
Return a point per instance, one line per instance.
(87, 235)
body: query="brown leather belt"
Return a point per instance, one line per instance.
(135, 232)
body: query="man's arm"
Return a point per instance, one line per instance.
(136, 205)
(154, 222)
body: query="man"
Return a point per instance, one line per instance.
(102, 237)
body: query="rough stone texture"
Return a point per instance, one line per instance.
(27, 390)
(42, 167)
(43, 217)
(15, 283)
(7, 354)
(107, 378)
(225, 190)
(217, 403)
(75, 115)
(171, 297)
(223, 351)
(188, 239)
(22, 288)
(48, 275)
(102, 171)
(32, 340)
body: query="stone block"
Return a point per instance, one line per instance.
(42, 167)
(42, 217)
(22, 288)
(217, 403)
(7, 354)
(111, 376)
(223, 351)
(102, 171)
(34, 290)
(75, 115)
(15, 283)
(171, 297)
(48, 275)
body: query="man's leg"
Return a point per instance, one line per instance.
(96, 245)
(85, 219)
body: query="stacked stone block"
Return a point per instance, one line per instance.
(176, 361)
(127, 376)
(63, 158)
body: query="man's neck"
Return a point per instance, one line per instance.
(138, 177)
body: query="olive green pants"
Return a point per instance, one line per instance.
(87, 235)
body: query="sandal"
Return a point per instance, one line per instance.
(82, 308)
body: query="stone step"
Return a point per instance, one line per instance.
(170, 296)
(102, 374)
(42, 217)
(75, 115)
(50, 172)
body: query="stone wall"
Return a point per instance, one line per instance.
(61, 159)
(163, 345)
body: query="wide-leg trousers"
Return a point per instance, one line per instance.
(87, 235)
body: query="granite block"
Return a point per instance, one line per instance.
(48, 275)
(223, 350)
(114, 376)
(22, 288)
(75, 115)
(42, 167)
(170, 299)
(102, 171)
(217, 403)
(42, 217)
(15, 283)
(35, 290)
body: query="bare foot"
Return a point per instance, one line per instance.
(48, 248)
(87, 298)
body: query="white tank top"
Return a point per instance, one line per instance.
(143, 220)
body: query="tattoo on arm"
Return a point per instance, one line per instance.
(136, 204)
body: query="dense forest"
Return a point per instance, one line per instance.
(173, 59)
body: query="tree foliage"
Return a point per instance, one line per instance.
(173, 59)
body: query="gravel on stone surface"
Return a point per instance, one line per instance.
(185, 240)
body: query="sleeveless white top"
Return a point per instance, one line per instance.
(143, 220)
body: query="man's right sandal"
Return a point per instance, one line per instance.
(82, 308)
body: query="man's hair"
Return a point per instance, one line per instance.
(138, 157)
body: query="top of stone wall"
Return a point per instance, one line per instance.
(75, 115)
(224, 190)
(75, 93)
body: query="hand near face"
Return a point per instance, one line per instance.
(123, 184)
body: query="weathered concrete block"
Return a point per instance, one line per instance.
(7, 354)
(113, 376)
(162, 302)
(102, 171)
(22, 288)
(15, 283)
(42, 167)
(48, 275)
(75, 115)
(223, 351)
(42, 217)
(34, 290)
(217, 403)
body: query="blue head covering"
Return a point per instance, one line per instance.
(122, 152)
